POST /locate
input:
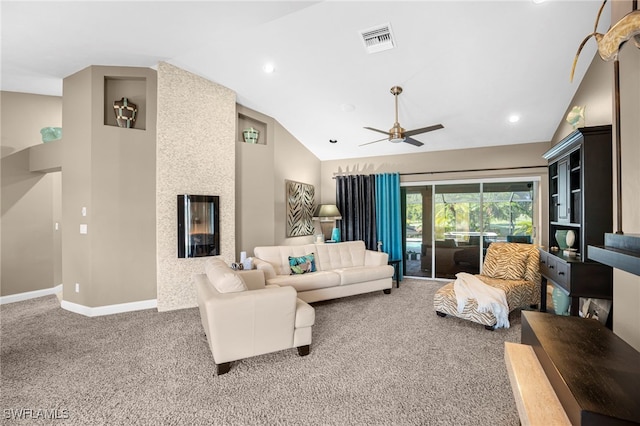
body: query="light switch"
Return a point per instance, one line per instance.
(57, 226)
(83, 228)
(84, 211)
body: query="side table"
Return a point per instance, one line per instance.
(396, 266)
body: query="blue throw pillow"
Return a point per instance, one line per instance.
(302, 264)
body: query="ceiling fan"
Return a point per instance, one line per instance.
(397, 134)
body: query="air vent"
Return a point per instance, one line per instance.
(378, 38)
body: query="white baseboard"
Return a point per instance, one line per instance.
(109, 309)
(81, 309)
(30, 295)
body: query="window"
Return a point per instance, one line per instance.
(450, 225)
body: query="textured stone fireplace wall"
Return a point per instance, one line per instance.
(195, 155)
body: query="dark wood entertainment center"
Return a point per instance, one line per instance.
(580, 200)
(571, 369)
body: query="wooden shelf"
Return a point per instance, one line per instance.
(620, 251)
(566, 224)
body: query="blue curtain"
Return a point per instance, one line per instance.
(388, 216)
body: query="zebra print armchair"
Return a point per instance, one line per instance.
(512, 267)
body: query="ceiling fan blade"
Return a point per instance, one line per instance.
(369, 143)
(413, 142)
(376, 130)
(423, 130)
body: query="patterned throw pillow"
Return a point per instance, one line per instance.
(506, 261)
(302, 264)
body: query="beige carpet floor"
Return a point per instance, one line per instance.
(376, 359)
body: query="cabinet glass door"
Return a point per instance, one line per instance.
(563, 198)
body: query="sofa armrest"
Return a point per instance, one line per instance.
(247, 323)
(266, 267)
(253, 278)
(375, 258)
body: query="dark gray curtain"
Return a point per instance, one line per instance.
(356, 200)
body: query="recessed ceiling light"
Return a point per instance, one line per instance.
(514, 118)
(347, 107)
(269, 68)
(333, 141)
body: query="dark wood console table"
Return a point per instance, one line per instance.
(594, 373)
(575, 277)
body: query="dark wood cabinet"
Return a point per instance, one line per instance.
(580, 200)
(580, 187)
(575, 277)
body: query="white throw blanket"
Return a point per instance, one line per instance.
(490, 299)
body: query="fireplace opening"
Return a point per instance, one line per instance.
(198, 225)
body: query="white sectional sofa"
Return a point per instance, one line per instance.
(341, 269)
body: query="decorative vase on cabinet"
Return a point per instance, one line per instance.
(570, 238)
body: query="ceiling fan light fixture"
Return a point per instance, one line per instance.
(397, 134)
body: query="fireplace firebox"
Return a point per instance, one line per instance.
(198, 225)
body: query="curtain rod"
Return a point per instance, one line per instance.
(457, 171)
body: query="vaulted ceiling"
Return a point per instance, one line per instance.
(469, 65)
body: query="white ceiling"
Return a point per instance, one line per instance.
(466, 64)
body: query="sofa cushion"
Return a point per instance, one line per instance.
(302, 264)
(310, 281)
(506, 261)
(340, 255)
(360, 274)
(223, 278)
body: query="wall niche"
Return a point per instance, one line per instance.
(132, 88)
(245, 122)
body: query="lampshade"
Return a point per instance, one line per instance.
(327, 211)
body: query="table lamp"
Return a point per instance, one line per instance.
(327, 214)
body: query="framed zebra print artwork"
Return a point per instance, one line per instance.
(300, 202)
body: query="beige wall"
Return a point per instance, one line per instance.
(254, 192)
(594, 93)
(626, 287)
(262, 171)
(292, 161)
(109, 171)
(30, 247)
(196, 150)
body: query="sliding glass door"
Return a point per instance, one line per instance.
(458, 229)
(450, 225)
